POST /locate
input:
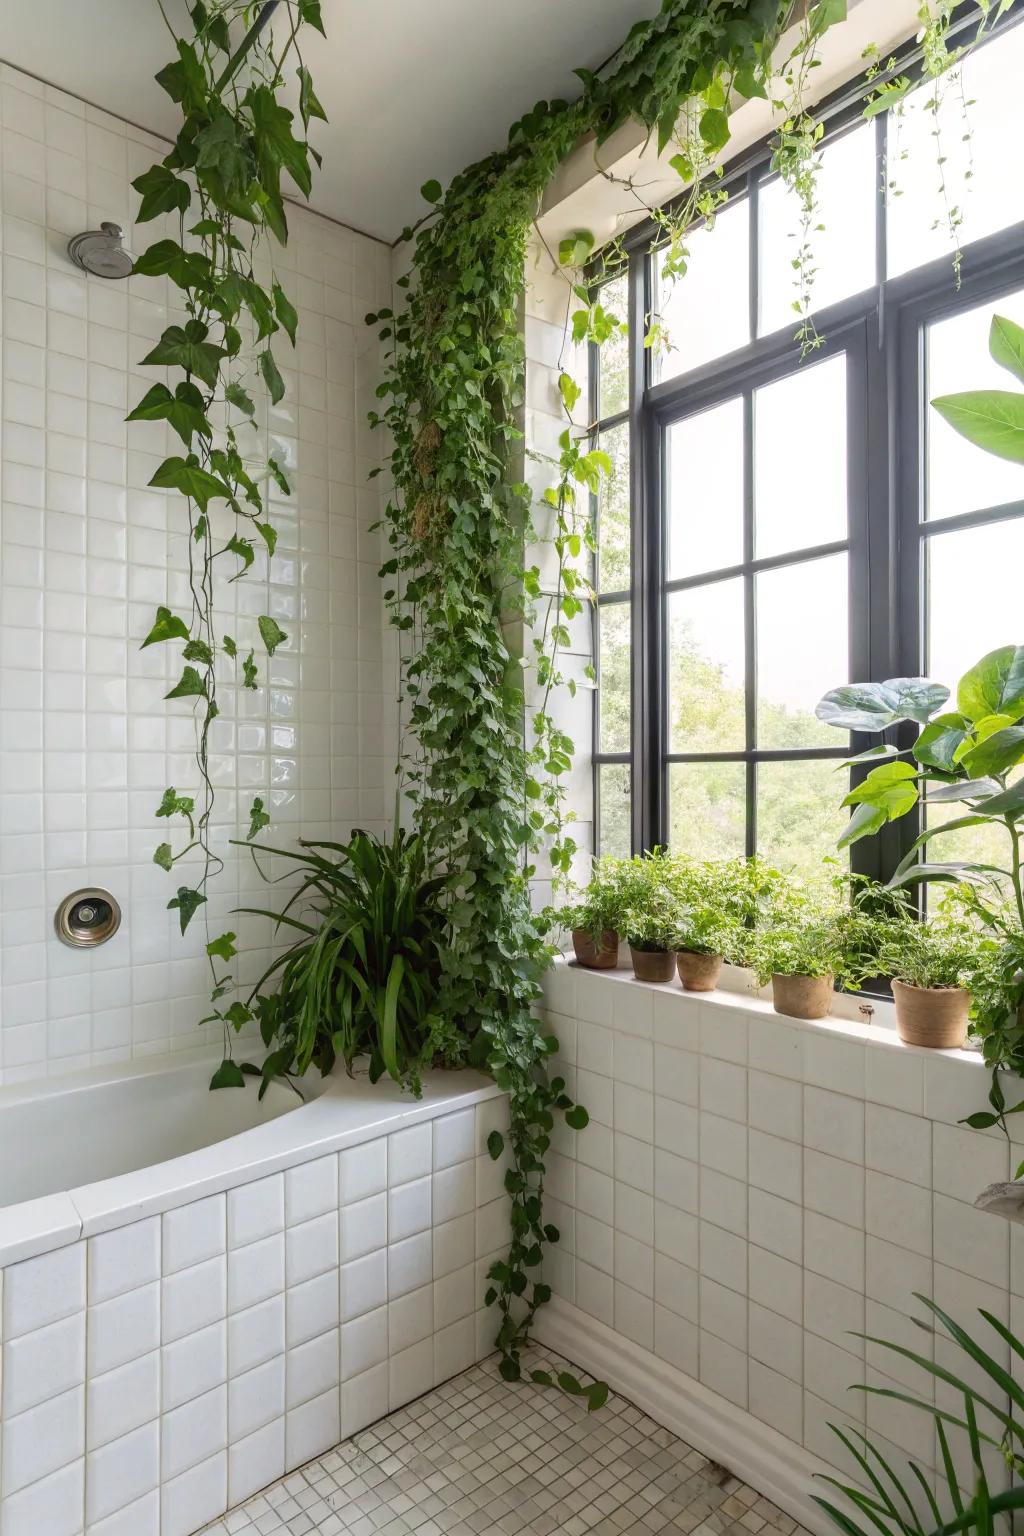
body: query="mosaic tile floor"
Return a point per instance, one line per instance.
(477, 1457)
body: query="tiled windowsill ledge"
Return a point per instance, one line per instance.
(845, 1052)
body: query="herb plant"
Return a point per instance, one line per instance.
(939, 952)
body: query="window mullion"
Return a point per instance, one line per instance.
(749, 622)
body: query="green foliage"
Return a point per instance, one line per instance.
(986, 1419)
(363, 976)
(993, 419)
(224, 172)
(942, 952)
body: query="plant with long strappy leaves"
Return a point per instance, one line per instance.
(990, 1422)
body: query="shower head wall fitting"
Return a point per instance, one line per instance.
(101, 251)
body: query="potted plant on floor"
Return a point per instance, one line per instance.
(931, 963)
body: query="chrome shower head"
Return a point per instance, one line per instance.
(101, 252)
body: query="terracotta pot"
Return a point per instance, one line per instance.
(698, 973)
(653, 964)
(932, 1016)
(596, 957)
(802, 997)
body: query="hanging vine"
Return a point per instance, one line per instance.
(222, 182)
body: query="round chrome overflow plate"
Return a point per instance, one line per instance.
(87, 918)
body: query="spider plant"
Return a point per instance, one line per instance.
(992, 1420)
(361, 976)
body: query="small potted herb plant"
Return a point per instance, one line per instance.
(592, 918)
(802, 958)
(929, 962)
(648, 914)
(704, 938)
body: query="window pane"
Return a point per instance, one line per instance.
(707, 809)
(613, 692)
(614, 835)
(613, 513)
(961, 477)
(800, 816)
(705, 491)
(803, 650)
(706, 668)
(842, 253)
(973, 600)
(614, 355)
(706, 312)
(993, 196)
(800, 459)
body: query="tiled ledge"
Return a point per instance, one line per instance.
(845, 1052)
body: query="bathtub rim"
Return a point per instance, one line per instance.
(345, 1114)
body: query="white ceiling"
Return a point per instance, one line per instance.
(414, 89)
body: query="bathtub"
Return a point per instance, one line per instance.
(200, 1292)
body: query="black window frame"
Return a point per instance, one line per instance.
(883, 330)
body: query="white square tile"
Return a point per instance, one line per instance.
(454, 1349)
(632, 1009)
(193, 1299)
(410, 1374)
(775, 1165)
(676, 1233)
(898, 1144)
(123, 1329)
(898, 1212)
(595, 1050)
(43, 1439)
(452, 1246)
(190, 1501)
(776, 1342)
(723, 1312)
(410, 1154)
(255, 1272)
(122, 1400)
(595, 1243)
(123, 1259)
(723, 1033)
(776, 1284)
(193, 1365)
(634, 1264)
(363, 1170)
(634, 1315)
(454, 1191)
(833, 1187)
(312, 1429)
(676, 1180)
(723, 1368)
(676, 1287)
(54, 1504)
(634, 1213)
(833, 1312)
(724, 1201)
(121, 1473)
(491, 1115)
(255, 1210)
(595, 1293)
(775, 1047)
(834, 1250)
(834, 1123)
(895, 1077)
(311, 1190)
(409, 1209)
(676, 1128)
(364, 1284)
(311, 1248)
(723, 1089)
(892, 1272)
(455, 1296)
(139, 1519)
(723, 1145)
(832, 1372)
(364, 1343)
(43, 1290)
(410, 1263)
(43, 1364)
(676, 1340)
(776, 1105)
(311, 1309)
(968, 1240)
(633, 1160)
(723, 1256)
(776, 1400)
(410, 1319)
(633, 1111)
(364, 1227)
(454, 1138)
(633, 1062)
(194, 1233)
(313, 1368)
(834, 1061)
(964, 1163)
(255, 1335)
(775, 1224)
(189, 1434)
(594, 996)
(255, 1461)
(364, 1399)
(677, 1074)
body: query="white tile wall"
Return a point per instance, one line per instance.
(804, 1182)
(87, 743)
(158, 1374)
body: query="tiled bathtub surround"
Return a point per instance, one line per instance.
(156, 1374)
(753, 1192)
(87, 744)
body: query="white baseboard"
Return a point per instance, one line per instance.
(753, 1451)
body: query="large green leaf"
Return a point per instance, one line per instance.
(1006, 344)
(162, 192)
(271, 632)
(285, 311)
(189, 685)
(938, 742)
(994, 685)
(167, 627)
(876, 706)
(271, 376)
(1009, 802)
(221, 147)
(866, 820)
(276, 145)
(185, 410)
(186, 904)
(188, 477)
(187, 347)
(992, 419)
(891, 789)
(999, 753)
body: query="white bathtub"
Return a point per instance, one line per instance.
(201, 1292)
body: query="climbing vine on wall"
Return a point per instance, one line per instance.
(221, 184)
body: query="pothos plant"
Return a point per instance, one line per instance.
(221, 183)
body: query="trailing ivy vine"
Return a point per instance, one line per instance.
(222, 183)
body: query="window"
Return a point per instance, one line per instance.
(774, 527)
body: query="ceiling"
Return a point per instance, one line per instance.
(414, 89)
